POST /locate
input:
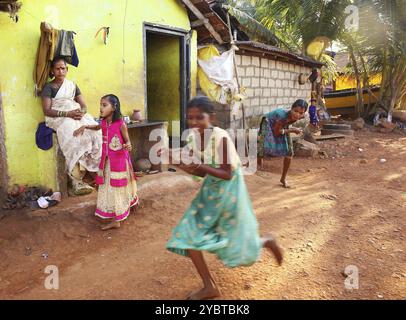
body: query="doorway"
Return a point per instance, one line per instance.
(167, 76)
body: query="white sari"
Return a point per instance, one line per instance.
(85, 149)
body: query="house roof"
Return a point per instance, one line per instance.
(204, 35)
(261, 49)
(216, 15)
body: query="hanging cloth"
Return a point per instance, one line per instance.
(45, 53)
(219, 70)
(66, 47)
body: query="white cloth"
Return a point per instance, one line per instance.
(220, 70)
(85, 149)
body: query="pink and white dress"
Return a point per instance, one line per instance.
(117, 185)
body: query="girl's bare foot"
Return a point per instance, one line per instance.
(204, 293)
(285, 184)
(111, 225)
(271, 244)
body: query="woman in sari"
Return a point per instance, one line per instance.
(65, 112)
(274, 135)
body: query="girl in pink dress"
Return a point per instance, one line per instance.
(117, 186)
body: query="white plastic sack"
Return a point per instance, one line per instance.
(220, 70)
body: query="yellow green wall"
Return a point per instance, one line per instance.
(117, 67)
(163, 78)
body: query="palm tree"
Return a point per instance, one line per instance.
(304, 20)
(385, 46)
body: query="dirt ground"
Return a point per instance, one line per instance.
(345, 208)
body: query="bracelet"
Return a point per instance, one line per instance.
(283, 131)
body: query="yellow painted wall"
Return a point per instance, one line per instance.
(117, 67)
(344, 82)
(163, 79)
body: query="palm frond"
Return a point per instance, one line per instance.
(252, 27)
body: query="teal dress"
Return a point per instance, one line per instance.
(221, 219)
(268, 143)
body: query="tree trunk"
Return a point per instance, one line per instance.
(360, 96)
(366, 84)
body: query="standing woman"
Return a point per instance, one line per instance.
(274, 136)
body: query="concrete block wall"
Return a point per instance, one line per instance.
(269, 84)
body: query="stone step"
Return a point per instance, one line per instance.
(325, 132)
(336, 126)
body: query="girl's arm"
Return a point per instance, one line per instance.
(224, 172)
(124, 132)
(83, 128)
(277, 128)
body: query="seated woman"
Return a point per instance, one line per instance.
(65, 111)
(274, 136)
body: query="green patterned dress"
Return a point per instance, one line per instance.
(221, 219)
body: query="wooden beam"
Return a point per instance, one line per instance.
(197, 23)
(206, 22)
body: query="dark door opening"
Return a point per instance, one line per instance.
(167, 73)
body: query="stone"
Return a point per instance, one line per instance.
(308, 136)
(255, 102)
(274, 74)
(358, 124)
(248, 286)
(304, 148)
(271, 83)
(240, 71)
(255, 82)
(264, 63)
(278, 83)
(264, 82)
(249, 72)
(246, 60)
(246, 82)
(255, 61)
(257, 72)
